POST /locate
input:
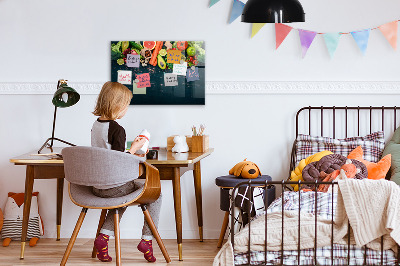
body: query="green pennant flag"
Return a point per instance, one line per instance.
(213, 2)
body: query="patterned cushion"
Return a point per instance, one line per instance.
(372, 144)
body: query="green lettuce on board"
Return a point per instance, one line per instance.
(116, 51)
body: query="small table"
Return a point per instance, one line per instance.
(170, 165)
(226, 183)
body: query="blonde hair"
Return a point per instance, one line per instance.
(112, 99)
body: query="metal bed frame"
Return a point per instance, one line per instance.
(283, 184)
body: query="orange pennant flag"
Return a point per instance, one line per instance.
(281, 31)
(389, 30)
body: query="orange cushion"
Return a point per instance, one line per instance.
(375, 170)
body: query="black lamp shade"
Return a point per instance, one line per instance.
(65, 96)
(273, 11)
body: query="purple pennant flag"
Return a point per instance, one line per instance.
(306, 39)
(237, 9)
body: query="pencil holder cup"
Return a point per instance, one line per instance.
(200, 143)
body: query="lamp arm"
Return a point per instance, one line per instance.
(54, 126)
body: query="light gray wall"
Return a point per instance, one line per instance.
(42, 41)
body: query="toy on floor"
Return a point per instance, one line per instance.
(13, 215)
(245, 169)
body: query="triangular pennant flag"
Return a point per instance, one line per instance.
(306, 39)
(237, 9)
(389, 30)
(213, 2)
(255, 28)
(281, 31)
(361, 37)
(332, 41)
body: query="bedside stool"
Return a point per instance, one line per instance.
(228, 182)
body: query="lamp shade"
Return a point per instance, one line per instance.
(273, 11)
(65, 96)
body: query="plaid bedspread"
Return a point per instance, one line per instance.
(307, 202)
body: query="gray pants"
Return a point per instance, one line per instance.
(154, 208)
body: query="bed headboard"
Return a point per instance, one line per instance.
(344, 121)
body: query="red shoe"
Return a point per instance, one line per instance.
(101, 245)
(146, 247)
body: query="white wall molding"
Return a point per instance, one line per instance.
(233, 87)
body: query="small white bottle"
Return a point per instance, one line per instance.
(144, 134)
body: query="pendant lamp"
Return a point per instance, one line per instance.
(64, 96)
(272, 11)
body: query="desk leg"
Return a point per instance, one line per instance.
(27, 206)
(176, 182)
(197, 189)
(60, 190)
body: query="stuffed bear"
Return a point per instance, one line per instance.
(245, 169)
(180, 144)
(13, 215)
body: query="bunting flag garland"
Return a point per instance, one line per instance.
(256, 27)
(213, 2)
(361, 37)
(332, 41)
(281, 31)
(237, 8)
(306, 39)
(389, 30)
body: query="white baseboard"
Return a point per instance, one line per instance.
(232, 87)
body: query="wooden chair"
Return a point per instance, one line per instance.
(85, 167)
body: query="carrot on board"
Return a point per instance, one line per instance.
(153, 60)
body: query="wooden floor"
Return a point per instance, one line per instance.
(50, 252)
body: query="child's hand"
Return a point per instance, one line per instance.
(137, 144)
(143, 155)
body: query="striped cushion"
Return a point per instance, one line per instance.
(372, 145)
(13, 228)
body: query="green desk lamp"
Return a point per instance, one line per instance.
(65, 96)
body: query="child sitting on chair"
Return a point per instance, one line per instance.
(112, 103)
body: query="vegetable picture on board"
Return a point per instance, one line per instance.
(160, 72)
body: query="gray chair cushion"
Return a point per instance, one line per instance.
(84, 196)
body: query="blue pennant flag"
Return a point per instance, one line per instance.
(237, 9)
(213, 2)
(332, 41)
(361, 37)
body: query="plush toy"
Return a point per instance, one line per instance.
(180, 144)
(375, 170)
(296, 174)
(13, 215)
(245, 169)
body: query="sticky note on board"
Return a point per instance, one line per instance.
(174, 56)
(170, 79)
(124, 76)
(136, 90)
(132, 60)
(180, 69)
(144, 80)
(192, 74)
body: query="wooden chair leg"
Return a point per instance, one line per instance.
(154, 230)
(223, 229)
(101, 222)
(73, 237)
(117, 239)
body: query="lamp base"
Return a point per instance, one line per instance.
(50, 146)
